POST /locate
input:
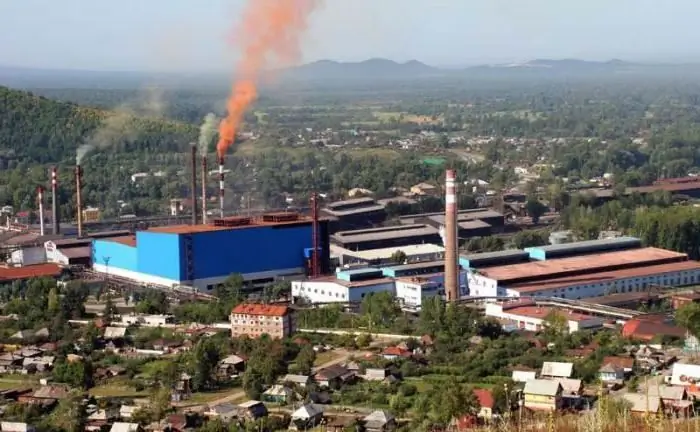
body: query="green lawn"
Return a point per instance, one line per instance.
(116, 390)
(325, 357)
(207, 397)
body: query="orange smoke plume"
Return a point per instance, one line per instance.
(269, 35)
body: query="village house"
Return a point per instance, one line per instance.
(298, 380)
(395, 352)
(375, 374)
(278, 394)
(674, 399)
(45, 395)
(542, 394)
(379, 421)
(611, 375)
(641, 404)
(486, 404)
(16, 427)
(306, 417)
(556, 370)
(182, 389)
(333, 376)
(523, 374)
(231, 366)
(225, 411)
(251, 410)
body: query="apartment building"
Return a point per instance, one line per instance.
(254, 320)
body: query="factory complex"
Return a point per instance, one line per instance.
(572, 271)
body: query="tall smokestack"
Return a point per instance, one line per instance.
(314, 236)
(194, 184)
(54, 202)
(451, 260)
(221, 185)
(40, 193)
(79, 198)
(204, 189)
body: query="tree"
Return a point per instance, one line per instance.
(305, 359)
(77, 374)
(70, 414)
(688, 317)
(53, 302)
(535, 209)
(530, 238)
(203, 362)
(398, 257)
(110, 310)
(555, 325)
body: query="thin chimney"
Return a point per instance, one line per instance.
(315, 269)
(194, 184)
(54, 202)
(204, 189)
(79, 198)
(221, 185)
(40, 193)
(451, 245)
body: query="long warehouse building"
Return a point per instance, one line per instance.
(587, 275)
(260, 249)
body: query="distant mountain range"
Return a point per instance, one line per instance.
(328, 70)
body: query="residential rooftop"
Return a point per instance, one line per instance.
(609, 276)
(260, 309)
(587, 264)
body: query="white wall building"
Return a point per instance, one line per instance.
(685, 374)
(28, 256)
(411, 291)
(331, 289)
(528, 316)
(147, 320)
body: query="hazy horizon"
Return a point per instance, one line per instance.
(182, 36)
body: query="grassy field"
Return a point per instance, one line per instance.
(116, 390)
(325, 357)
(407, 118)
(207, 397)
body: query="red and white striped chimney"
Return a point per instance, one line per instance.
(451, 245)
(221, 185)
(54, 202)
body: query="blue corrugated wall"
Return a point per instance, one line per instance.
(250, 250)
(114, 254)
(160, 254)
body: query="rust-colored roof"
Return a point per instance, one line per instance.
(485, 398)
(643, 256)
(620, 362)
(30, 271)
(668, 187)
(396, 351)
(193, 229)
(260, 309)
(540, 312)
(129, 240)
(648, 330)
(609, 276)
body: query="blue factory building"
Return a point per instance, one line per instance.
(261, 249)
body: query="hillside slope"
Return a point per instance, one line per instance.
(39, 130)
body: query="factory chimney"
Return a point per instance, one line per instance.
(40, 193)
(315, 272)
(79, 198)
(204, 189)
(221, 185)
(194, 184)
(451, 260)
(54, 202)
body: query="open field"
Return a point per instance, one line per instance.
(115, 390)
(326, 357)
(407, 118)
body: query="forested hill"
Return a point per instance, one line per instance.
(39, 130)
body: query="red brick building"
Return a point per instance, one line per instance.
(254, 320)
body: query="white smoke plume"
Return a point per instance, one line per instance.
(207, 132)
(119, 126)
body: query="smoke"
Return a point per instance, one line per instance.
(441, 231)
(206, 133)
(119, 124)
(269, 35)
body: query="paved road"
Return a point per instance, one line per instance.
(385, 336)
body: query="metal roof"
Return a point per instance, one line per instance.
(588, 244)
(384, 233)
(557, 369)
(507, 256)
(386, 253)
(642, 402)
(542, 387)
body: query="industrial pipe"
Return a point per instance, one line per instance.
(221, 185)
(79, 198)
(54, 202)
(451, 256)
(194, 184)
(40, 192)
(204, 189)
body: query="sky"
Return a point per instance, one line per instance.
(192, 35)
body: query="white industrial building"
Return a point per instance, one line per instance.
(346, 286)
(411, 290)
(586, 276)
(414, 253)
(526, 315)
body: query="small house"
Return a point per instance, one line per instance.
(231, 366)
(642, 403)
(182, 389)
(395, 352)
(570, 387)
(543, 395)
(225, 411)
(278, 394)
(252, 410)
(16, 427)
(611, 375)
(556, 370)
(298, 380)
(376, 374)
(306, 417)
(624, 363)
(333, 376)
(486, 403)
(379, 421)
